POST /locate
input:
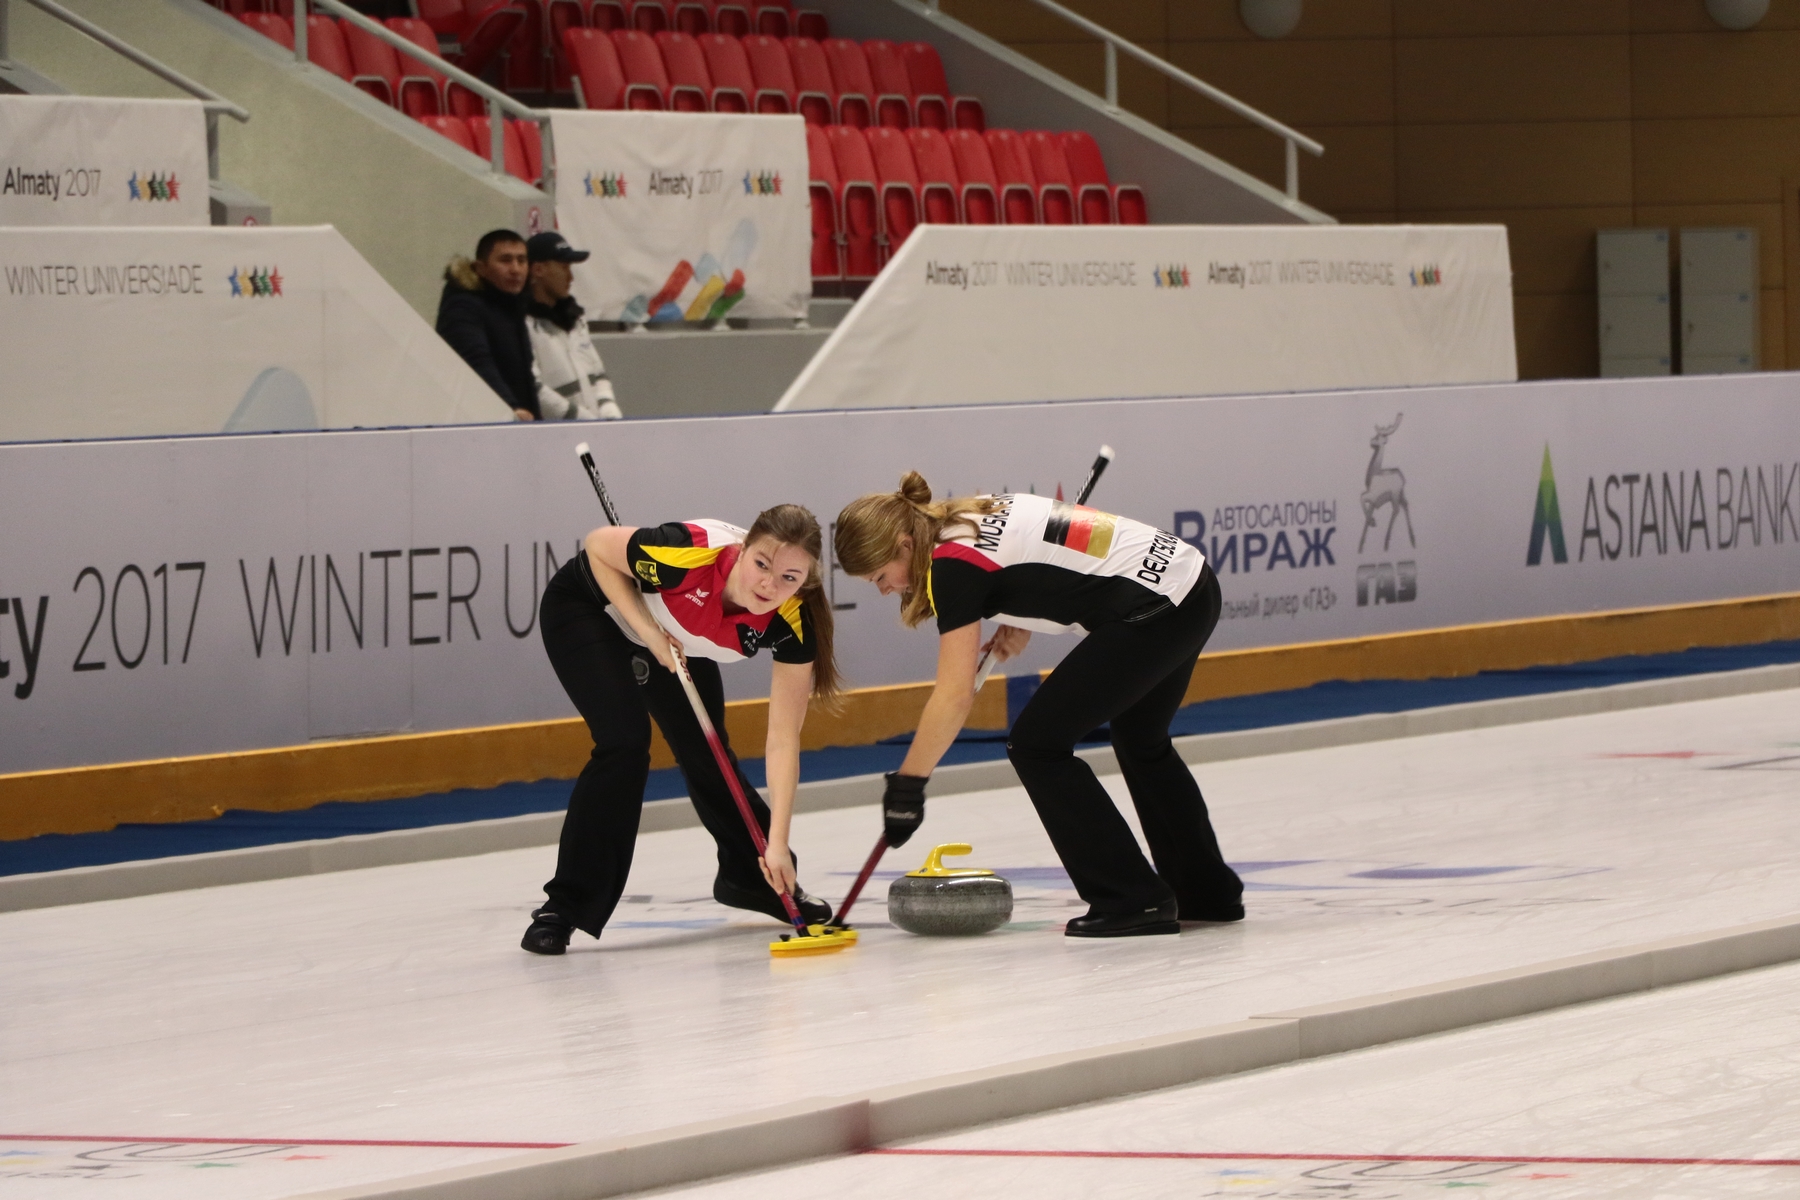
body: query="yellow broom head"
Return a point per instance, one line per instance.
(818, 939)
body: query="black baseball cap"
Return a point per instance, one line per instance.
(552, 247)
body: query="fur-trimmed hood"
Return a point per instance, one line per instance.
(461, 273)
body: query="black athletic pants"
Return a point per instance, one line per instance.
(1133, 674)
(618, 686)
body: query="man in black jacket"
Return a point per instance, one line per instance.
(482, 316)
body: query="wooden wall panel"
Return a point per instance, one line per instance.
(1753, 74)
(1554, 117)
(1717, 161)
(1675, 16)
(1451, 167)
(1558, 336)
(1566, 78)
(1552, 248)
(1218, 20)
(1468, 18)
(1345, 82)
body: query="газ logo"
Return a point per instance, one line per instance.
(1547, 520)
(154, 187)
(609, 185)
(1395, 582)
(252, 282)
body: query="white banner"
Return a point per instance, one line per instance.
(689, 217)
(210, 594)
(95, 160)
(980, 314)
(129, 332)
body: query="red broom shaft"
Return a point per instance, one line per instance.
(881, 846)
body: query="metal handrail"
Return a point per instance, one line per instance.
(497, 100)
(1114, 43)
(210, 101)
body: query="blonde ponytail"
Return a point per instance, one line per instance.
(870, 529)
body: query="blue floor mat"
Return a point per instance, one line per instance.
(239, 828)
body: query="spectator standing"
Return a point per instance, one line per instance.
(482, 316)
(574, 382)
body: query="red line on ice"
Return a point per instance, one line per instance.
(1524, 1159)
(219, 1141)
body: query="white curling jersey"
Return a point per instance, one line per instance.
(1047, 565)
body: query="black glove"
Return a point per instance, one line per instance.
(902, 807)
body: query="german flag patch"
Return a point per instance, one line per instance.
(1085, 530)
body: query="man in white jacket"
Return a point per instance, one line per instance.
(574, 386)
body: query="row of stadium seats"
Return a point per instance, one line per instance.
(523, 140)
(739, 18)
(834, 82)
(872, 187)
(361, 58)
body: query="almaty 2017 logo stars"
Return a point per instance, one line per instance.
(762, 183)
(154, 187)
(609, 185)
(1172, 277)
(255, 281)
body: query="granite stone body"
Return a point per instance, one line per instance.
(953, 906)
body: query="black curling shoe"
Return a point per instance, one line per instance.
(549, 933)
(767, 900)
(1143, 923)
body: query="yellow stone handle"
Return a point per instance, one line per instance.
(934, 867)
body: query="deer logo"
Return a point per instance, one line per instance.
(1384, 485)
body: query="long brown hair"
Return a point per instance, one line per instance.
(792, 525)
(870, 528)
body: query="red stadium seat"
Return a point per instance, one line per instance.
(454, 128)
(609, 15)
(527, 63)
(646, 79)
(421, 88)
(273, 26)
(893, 86)
(776, 89)
(774, 18)
(859, 202)
(693, 17)
(651, 16)
(1056, 187)
(940, 184)
(690, 84)
(855, 86)
(448, 17)
(599, 79)
(1018, 183)
(1101, 201)
(898, 176)
(374, 65)
(733, 84)
(811, 23)
(325, 47)
(560, 15)
(732, 18)
(980, 183)
(932, 100)
(823, 192)
(487, 27)
(531, 140)
(817, 98)
(517, 164)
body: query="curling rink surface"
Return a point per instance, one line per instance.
(284, 1020)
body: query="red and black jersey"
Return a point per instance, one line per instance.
(681, 569)
(1049, 566)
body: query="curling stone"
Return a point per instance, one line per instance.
(940, 901)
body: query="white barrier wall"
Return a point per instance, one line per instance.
(194, 595)
(979, 314)
(97, 160)
(690, 216)
(130, 332)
